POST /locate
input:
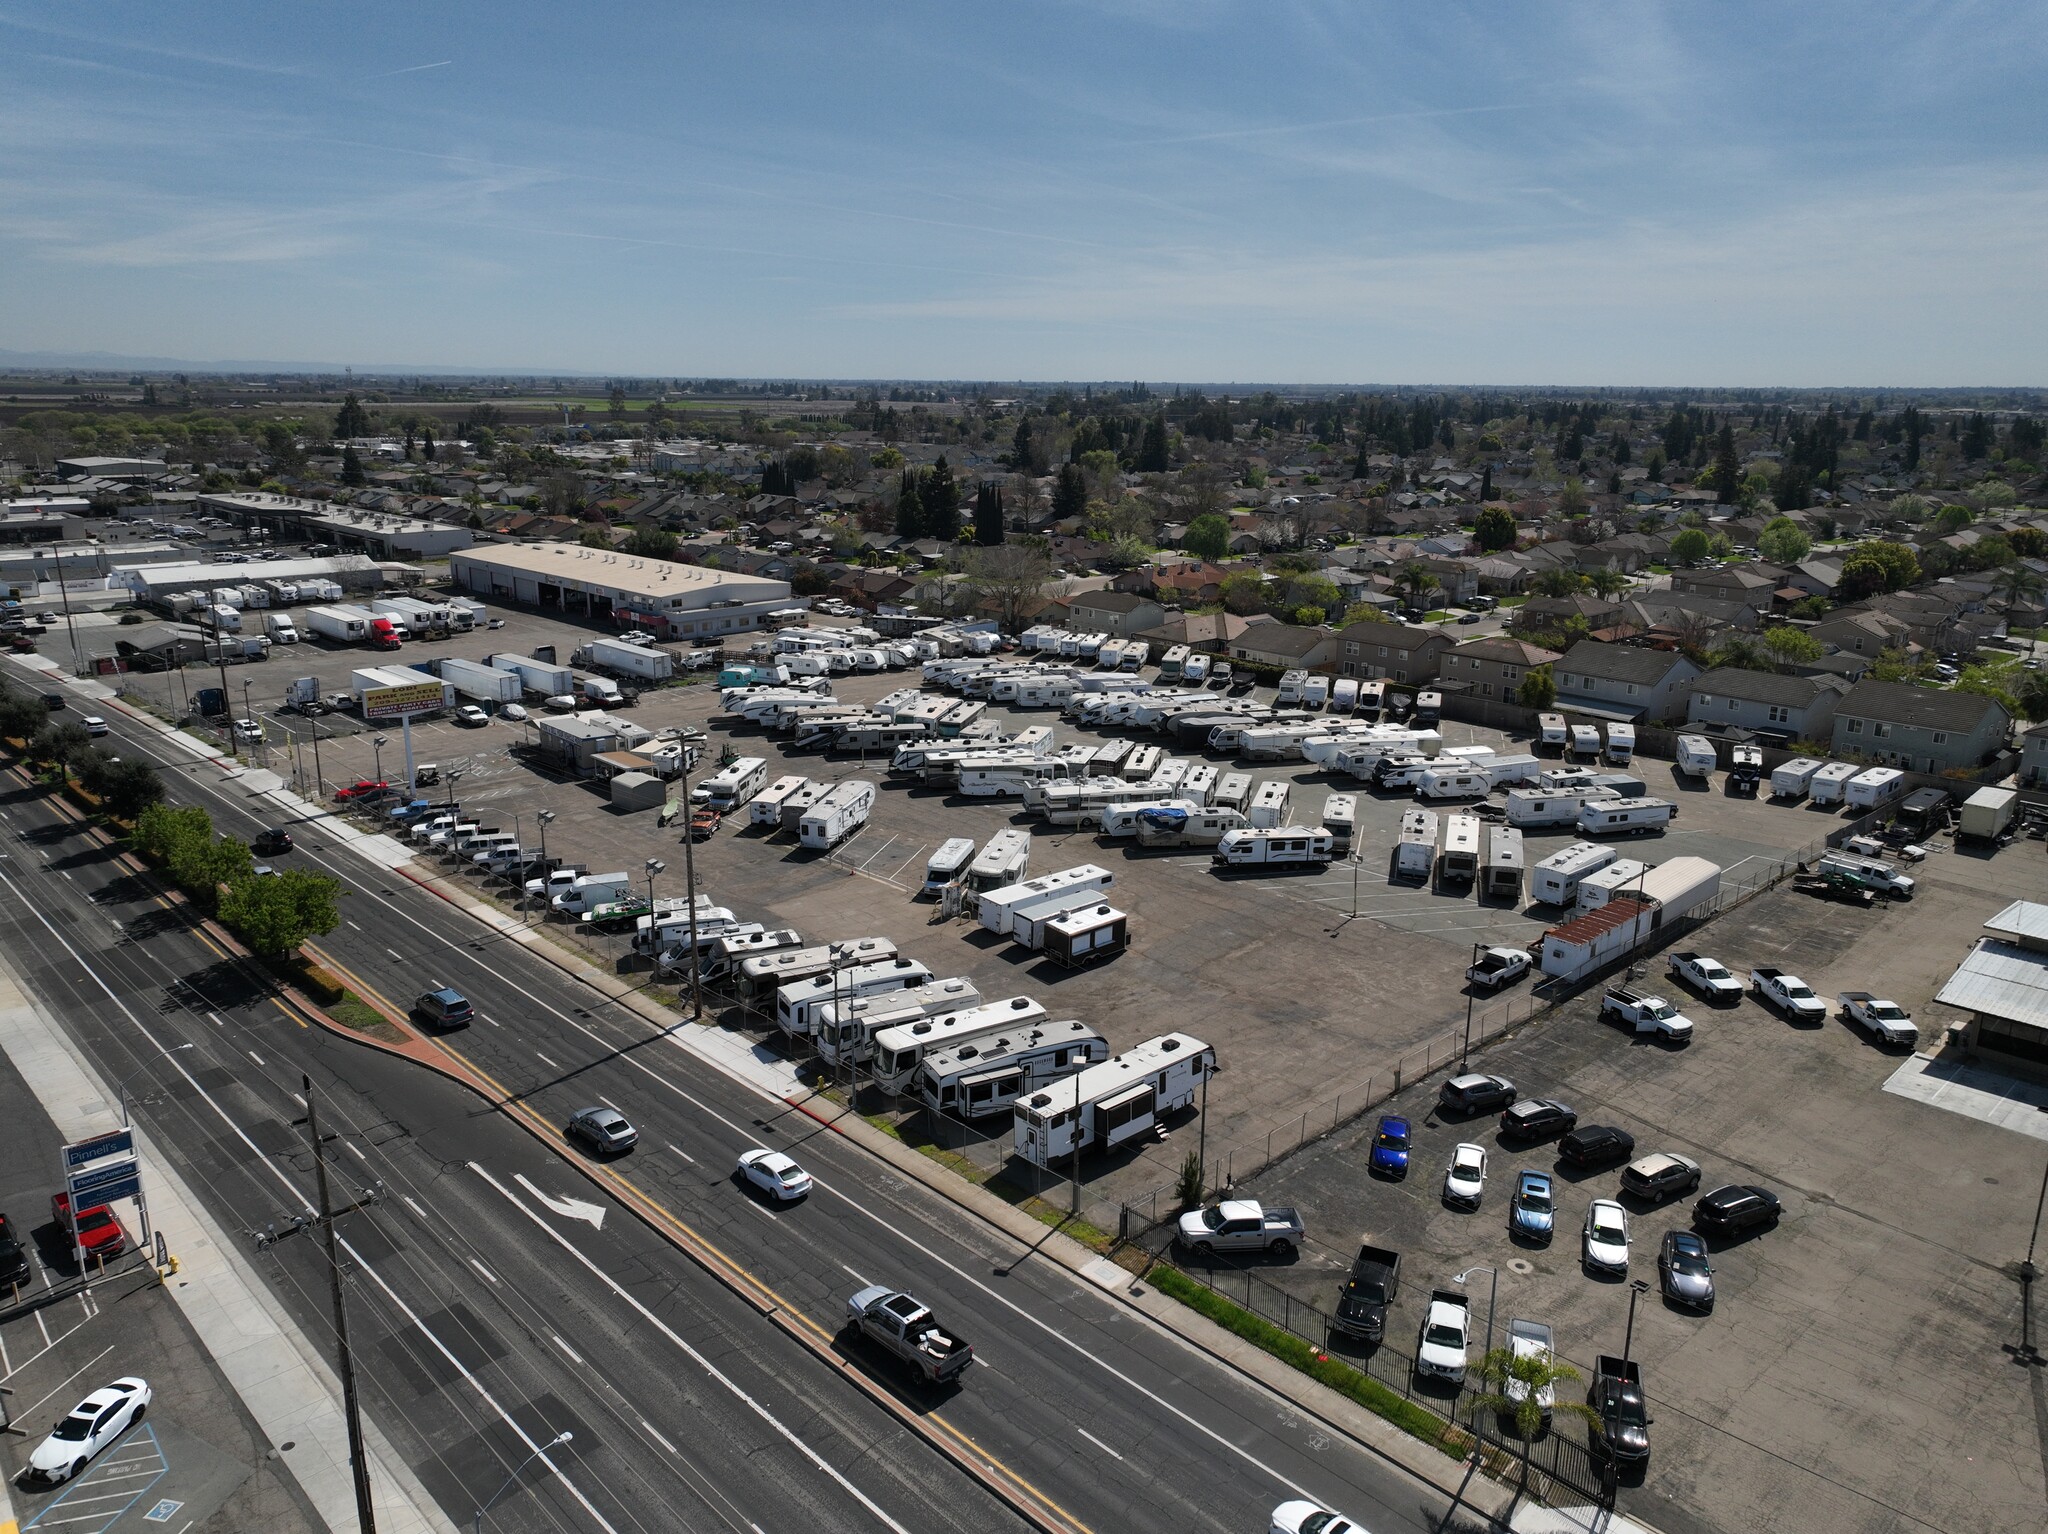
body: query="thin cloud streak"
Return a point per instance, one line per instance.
(412, 69)
(1225, 134)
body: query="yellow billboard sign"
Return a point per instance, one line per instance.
(397, 702)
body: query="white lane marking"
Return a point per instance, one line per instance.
(656, 1434)
(567, 1208)
(536, 1450)
(217, 1020)
(684, 1154)
(544, 1060)
(256, 1057)
(413, 1204)
(856, 1277)
(1105, 1448)
(357, 1149)
(695, 1357)
(574, 1356)
(489, 1276)
(396, 954)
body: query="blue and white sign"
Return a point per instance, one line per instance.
(102, 1185)
(121, 1142)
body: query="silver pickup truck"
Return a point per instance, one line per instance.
(903, 1325)
(1241, 1225)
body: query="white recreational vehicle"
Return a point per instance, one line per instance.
(1621, 744)
(1551, 732)
(797, 1003)
(1005, 858)
(766, 808)
(1084, 803)
(1340, 815)
(1829, 784)
(900, 1050)
(1791, 780)
(1182, 824)
(1501, 863)
(1695, 757)
(1555, 880)
(845, 1030)
(999, 908)
(727, 790)
(1233, 792)
(1270, 804)
(1457, 850)
(841, 811)
(1122, 820)
(985, 1077)
(1585, 741)
(947, 864)
(1415, 846)
(1625, 817)
(1274, 847)
(1107, 1104)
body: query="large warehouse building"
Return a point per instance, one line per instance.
(674, 601)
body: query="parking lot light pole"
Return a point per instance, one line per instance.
(654, 866)
(1636, 1288)
(476, 1522)
(377, 745)
(690, 890)
(1471, 996)
(1492, 1290)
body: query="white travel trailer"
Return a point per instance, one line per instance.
(1695, 757)
(726, 791)
(1586, 741)
(729, 952)
(1315, 693)
(1625, 817)
(1501, 863)
(1340, 816)
(1415, 846)
(1270, 804)
(986, 1077)
(1084, 803)
(844, 1031)
(1121, 820)
(945, 866)
(1195, 668)
(1274, 847)
(1142, 763)
(1343, 695)
(1185, 825)
(1453, 782)
(1457, 850)
(1167, 779)
(1512, 771)
(1791, 780)
(1170, 667)
(1550, 731)
(1108, 1104)
(900, 1050)
(1291, 685)
(1233, 791)
(999, 907)
(798, 1001)
(766, 808)
(1829, 785)
(843, 810)
(1534, 807)
(1596, 889)
(1200, 781)
(1005, 858)
(1277, 742)
(1874, 786)
(1555, 880)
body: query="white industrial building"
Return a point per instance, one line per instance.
(674, 601)
(151, 582)
(348, 528)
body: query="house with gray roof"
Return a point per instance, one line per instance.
(1626, 682)
(1788, 707)
(1922, 729)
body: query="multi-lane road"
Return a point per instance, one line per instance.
(502, 1296)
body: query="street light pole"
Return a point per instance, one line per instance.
(690, 889)
(476, 1522)
(1636, 1287)
(1471, 996)
(358, 1453)
(654, 866)
(544, 816)
(377, 745)
(1492, 1291)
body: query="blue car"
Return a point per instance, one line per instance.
(1390, 1147)
(1532, 1212)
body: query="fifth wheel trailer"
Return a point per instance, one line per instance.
(986, 1077)
(1113, 1102)
(842, 811)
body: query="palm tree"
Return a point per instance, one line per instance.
(1606, 580)
(1559, 583)
(1412, 581)
(2020, 582)
(1535, 1373)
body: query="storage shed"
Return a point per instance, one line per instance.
(638, 791)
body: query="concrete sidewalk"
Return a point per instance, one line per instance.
(287, 1386)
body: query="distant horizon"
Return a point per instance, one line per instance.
(1747, 196)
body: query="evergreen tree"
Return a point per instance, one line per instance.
(1152, 451)
(909, 506)
(351, 467)
(410, 444)
(1727, 472)
(1070, 492)
(351, 420)
(940, 497)
(1486, 484)
(427, 443)
(988, 514)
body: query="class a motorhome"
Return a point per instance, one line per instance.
(1555, 880)
(1625, 817)
(1372, 699)
(948, 864)
(986, 1077)
(840, 811)
(1108, 1104)
(1004, 859)
(797, 1001)
(1110, 757)
(1340, 816)
(1186, 825)
(1233, 791)
(1585, 741)
(844, 1031)
(1008, 775)
(1501, 863)
(726, 791)
(900, 1050)
(1457, 849)
(1269, 804)
(766, 807)
(1275, 847)
(1415, 844)
(999, 908)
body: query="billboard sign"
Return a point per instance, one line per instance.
(120, 1142)
(398, 702)
(102, 1185)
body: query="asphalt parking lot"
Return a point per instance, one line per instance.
(1854, 1372)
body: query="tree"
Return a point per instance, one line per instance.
(426, 442)
(1153, 455)
(988, 514)
(561, 493)
(1742, 652)
(1606, 580)
(909, 505)
(1538, 689)
(1009, 578)
(2032, 696)
(1517, 1384)
(2020, 585)
(1560, 582)
(2028, 542)
(126, 787)
(939, 499)
(351, 420)
(1243, 592)
(652, 543)
(1208, 537)
(597, 536)
(615, 404)
(1414, 583)
(1791, 645)
(1727, 471)
(1690, 546)
(1953, 519)
(1070, 493)
(1783, 542)
(1103, 471)
(1572, 499)
(1494, 529)
(352, 468)
(275, 913)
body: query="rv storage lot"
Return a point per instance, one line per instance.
(1855, 1363)
(1295, 996)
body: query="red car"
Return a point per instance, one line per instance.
(99, 1233)
(362, 788)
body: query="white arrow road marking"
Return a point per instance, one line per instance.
(567, 1208)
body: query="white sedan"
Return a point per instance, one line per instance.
(774, 1174)
(1465, 1178)
(1607, 1236)
(91, 1425)
(1307, 1518)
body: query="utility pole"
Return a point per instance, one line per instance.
(690, 889)
(358, 1457)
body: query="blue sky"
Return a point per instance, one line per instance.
(1349, 192)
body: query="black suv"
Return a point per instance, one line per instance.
(1475, 1094)
(268, 844)
(1596, 1145)
(13, 1260)
(444, 1008)
(1735, 1208)
(1536, 1118)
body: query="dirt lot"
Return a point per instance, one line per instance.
(1855, 1372)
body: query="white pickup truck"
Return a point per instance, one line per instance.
(1788, 994)
(1645, 1013)
(1885, 1020)
(1443, 1345)
(1708, 976)
(1498, 967)
(1241, 1225)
